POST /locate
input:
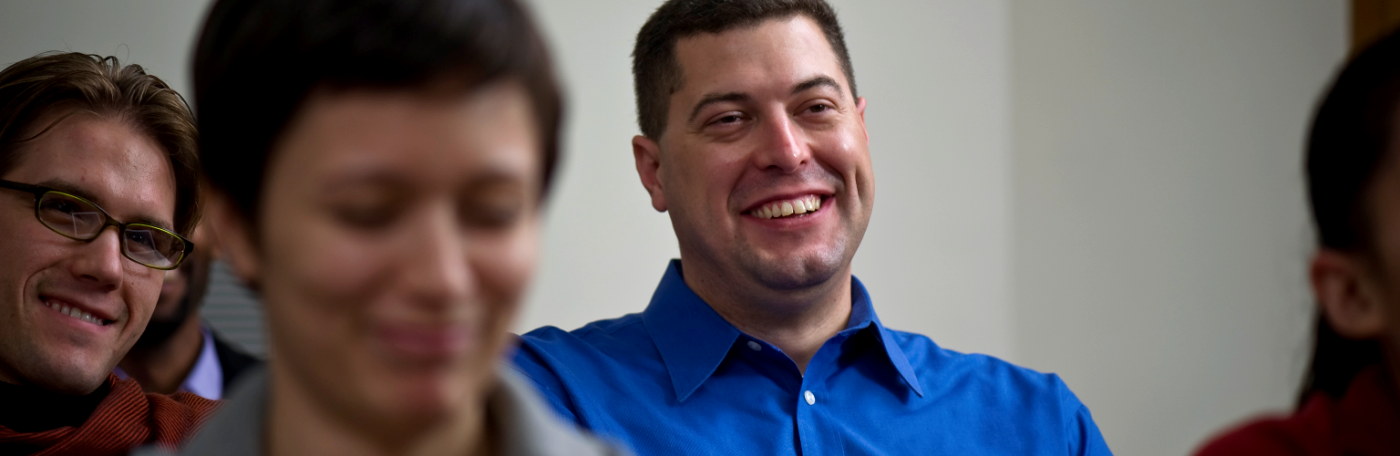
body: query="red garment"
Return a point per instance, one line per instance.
(125, 419)
(1365, 421)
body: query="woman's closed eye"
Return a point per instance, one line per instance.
(367, 216)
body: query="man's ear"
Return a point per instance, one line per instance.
(1348, 293)
(648, 156)
(233, 234)
(860, 114)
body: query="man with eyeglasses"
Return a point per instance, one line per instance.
(98, 184)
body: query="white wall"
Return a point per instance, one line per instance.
(1160, 226)
(935, 256)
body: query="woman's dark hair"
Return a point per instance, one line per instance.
(257, 61)
(33, 87)
(1351, 138)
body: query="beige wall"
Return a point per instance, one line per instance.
(158, 34)
(1160, 227)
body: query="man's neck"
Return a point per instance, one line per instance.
(33, 409)
(798, 322)
(163, 368)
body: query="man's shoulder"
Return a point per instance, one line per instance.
(603, 337)
(562, 363)
(984, 385)
(935, 365)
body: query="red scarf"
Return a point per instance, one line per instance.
(126, 418)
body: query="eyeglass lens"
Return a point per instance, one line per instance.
(79, 219)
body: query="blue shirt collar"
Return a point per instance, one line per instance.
(693, 339)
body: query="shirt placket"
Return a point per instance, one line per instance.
(813, 395)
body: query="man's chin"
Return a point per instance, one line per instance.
(795, 273)
(71, 380)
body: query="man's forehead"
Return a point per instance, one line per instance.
(105, 161)
(777, 53)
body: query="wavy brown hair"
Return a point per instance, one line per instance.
(32, 87)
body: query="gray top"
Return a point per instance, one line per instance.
(526, 426)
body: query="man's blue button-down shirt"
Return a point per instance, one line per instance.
(678, 379)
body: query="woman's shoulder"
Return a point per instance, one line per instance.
(1308, 431)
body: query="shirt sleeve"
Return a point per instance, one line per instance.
(1082, 434)
(530, 363)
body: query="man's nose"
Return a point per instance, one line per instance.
(784, 147)
(100, 260)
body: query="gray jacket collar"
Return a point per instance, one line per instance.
(527, 427)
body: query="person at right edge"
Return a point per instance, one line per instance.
(1348, 404)
(377, 173)
(758, 340)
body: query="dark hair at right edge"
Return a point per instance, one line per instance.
(1350, 141)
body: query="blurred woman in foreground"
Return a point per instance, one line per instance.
(1349, 404)
(378, 169)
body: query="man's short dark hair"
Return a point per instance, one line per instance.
(31, 88)
(257, 62)
(657, 74)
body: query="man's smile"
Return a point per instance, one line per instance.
(788, 207)
(74, 311)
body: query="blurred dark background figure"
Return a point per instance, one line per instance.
(179, 351)
(1348, 404)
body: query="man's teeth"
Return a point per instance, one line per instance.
(75, 313)
(797, 206)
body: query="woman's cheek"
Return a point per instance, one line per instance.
(338, 266)
(505, 264)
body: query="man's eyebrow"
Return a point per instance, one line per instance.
(715, 98)
(819, 81)
(69, 188)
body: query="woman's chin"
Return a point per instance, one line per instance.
(425, 398)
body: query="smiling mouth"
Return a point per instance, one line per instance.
(74, 312)
(795, 207)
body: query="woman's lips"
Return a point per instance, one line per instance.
(426, 343)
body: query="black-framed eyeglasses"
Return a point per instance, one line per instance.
(76, 218)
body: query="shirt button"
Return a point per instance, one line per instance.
(755, 346)
(811, 398)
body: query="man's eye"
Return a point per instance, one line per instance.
(728, 119)
(819, 108)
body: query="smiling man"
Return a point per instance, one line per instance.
(759, 340)
(98, 183)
